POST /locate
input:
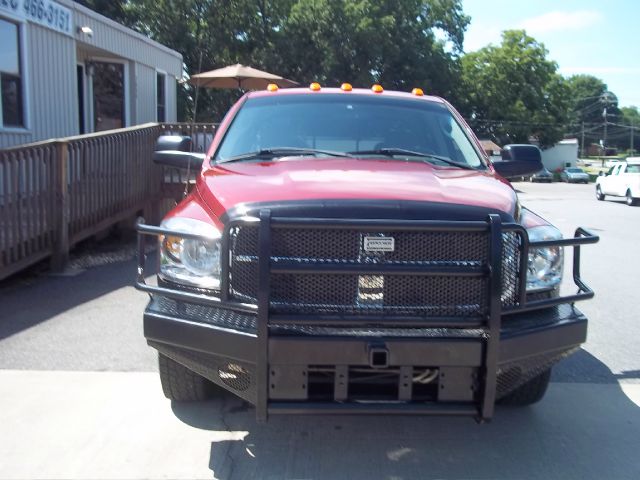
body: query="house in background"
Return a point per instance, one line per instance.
(490, 148)
(562, 154)
(66, 70)
(596, 150)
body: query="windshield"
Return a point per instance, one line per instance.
(357, 124)
(574, 170)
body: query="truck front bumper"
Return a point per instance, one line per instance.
(222, 346)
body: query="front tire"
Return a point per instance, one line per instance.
(630, 200)
(529, 393)
(181, 384)
(599, 194)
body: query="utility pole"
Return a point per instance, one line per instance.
(631, 150)
(582, 142)
(604, 142)
(607, 99)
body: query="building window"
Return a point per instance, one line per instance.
(10, 76)
(161, 97)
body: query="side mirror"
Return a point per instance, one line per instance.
(175, 151)
(173, 142)
(519, 161)
(185, 160)
(602, 174)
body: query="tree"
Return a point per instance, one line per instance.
(589, 98)
(393, 42)
(365, 41)
(594, 112)
(512, 92)
(114, 9)
(631, 117)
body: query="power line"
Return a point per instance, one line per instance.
(586, 130)
(590, 126)
(628, 127)
(522, 123)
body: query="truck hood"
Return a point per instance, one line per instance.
(226, 186)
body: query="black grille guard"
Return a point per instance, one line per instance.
(490, 322)
(493, 226)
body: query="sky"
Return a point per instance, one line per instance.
(599, 38)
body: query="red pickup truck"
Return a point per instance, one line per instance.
(354, 251)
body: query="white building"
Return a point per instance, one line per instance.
(562, 154)
(66, 70)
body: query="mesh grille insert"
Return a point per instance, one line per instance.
(362, 294)
(235, 376)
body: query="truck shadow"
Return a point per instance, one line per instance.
(36, 295)
(586, 427)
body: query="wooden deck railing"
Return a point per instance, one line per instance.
(29, 200)
(56, 193)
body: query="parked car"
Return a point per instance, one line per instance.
(325, 263)
(622, 180)
(574, 175)
(543, 175)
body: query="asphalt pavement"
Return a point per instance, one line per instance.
(80, 397)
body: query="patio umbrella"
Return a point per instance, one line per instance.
(239, 76)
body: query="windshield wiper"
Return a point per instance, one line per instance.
(275, 152)
(391, 152)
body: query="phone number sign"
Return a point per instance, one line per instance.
(43, 12)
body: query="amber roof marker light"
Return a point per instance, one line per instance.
(315, 87)
(377, 88)
(272, 87)
(417, 92)
(346, 87)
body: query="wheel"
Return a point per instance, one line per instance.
(599, 194)
(181, 384)
(529, 393)
(630, 200)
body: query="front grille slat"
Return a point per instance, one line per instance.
(362, 293)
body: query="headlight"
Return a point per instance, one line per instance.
(194, 262)
(544, 269)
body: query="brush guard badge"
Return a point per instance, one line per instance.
(379, 244)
